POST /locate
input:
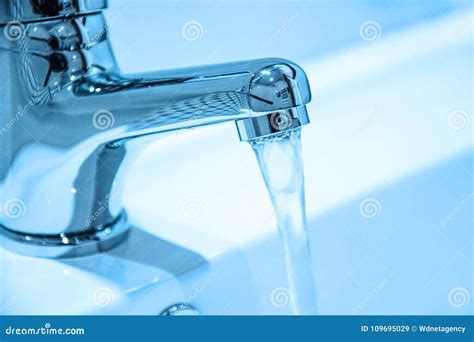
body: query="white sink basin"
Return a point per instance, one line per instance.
(204, 228)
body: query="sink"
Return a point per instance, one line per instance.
(204, 231)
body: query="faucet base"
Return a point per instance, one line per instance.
(96, 240)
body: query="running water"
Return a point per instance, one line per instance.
(281, 165)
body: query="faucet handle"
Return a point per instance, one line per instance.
(21, 10)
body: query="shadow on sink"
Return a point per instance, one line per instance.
(142, 252)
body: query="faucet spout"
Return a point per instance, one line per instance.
(250, 92)
(70, 118)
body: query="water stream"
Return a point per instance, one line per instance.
(281, 165)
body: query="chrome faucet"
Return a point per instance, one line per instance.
(71, 124)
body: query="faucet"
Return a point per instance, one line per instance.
(71, 124)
